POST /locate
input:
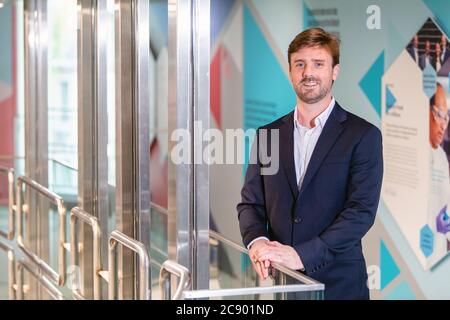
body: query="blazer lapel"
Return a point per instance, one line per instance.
(287, 154)
(331, 131)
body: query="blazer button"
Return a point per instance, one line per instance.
(298, 220)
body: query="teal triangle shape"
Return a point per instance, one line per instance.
(388, 268)
(268, 93)
(402, 291)
(395, 45)
(440, 10)
(371, 83)
(265, 82)
(309, 20)
(390, 99)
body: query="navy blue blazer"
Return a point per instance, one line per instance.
(326, 219)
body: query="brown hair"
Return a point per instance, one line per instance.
(315, 37)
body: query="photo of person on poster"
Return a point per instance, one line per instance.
(439, 194)
(429, 47)
(413, 49)
(445, 53)
(425, 58)
(437, 62)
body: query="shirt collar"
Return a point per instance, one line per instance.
(321, 119)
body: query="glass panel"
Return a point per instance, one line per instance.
(63, 180)
(62, 122)
(158, 246)
(4, 276)
(12, 114)
(111, 110)
(4, 227)
(230, 267)
(62, 81)
(158, 137)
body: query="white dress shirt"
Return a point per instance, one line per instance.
(305, 140)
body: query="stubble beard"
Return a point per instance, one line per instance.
(307, 95)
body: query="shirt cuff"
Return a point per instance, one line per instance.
(259, 238)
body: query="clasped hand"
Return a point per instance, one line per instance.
(263, 253)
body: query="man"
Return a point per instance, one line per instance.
(324, 197)
(445, 54)
(425, 58)
(439, 194)
(437, 62)
(413, 49)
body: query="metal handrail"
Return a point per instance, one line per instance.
(46, 283)
(63, 164)
(144, 264)
(159, 209)
(11, 229)
(293, 274)
(201, 294)
(79, 214)
(11, 268)
(54, 276)
(171, 267)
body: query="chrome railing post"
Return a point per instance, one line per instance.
(57, 278)
(11, 230)
(171, 267)
(11, 269)
(79, 214)
(118, 237)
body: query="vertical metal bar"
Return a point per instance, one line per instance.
(92, 127)
(36, 119)
(19, 285)
(11, 191)
(11, 275)
(103, 209)
(201, 48)
(125, 171)
(9, 234)
(62, 240)
(112, 269)
(11, 269)
(189, 110)
(142, 119)
(181, 189)
(42, 135)
(87, 138)
(132, 134)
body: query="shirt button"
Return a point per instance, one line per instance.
(298, 220)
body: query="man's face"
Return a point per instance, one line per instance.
(438, 118)
(427, 47)
(416, 41)
(312, 73)
(438, 49)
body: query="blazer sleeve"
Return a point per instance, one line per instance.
(358, 215)
(251, 210)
